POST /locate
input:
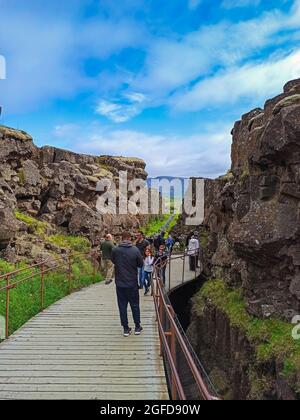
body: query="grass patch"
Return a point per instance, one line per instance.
(272, 338)
(155, 225)
(25, 299)
(75, 243)
(39, 227)
(173, 223)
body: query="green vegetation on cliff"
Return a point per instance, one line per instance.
(75, 243)
(38, 227)
(272, 338)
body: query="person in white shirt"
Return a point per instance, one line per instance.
(193, 252)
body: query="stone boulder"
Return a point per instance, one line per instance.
(9, 226)
(86, 222)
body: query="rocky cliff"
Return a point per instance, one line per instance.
(241, 319)
(253, 213)
(45, 191)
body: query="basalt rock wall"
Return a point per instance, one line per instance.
(57, 188)
(252, 214)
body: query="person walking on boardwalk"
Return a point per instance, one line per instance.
(127, 259)
(160, 260)
(193, 251)
(141, 244)
(107, 265)
(170, 243)
(148, 270)
(159, 240)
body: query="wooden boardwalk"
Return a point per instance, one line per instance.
(75, 350)
(178, 275)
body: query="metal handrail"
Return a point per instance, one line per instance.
(41, 269)
(167, 347)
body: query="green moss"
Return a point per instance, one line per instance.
(245, 175)
(75, 243)
(204, 238)
(39, 227)
(260, 385)
(21, 176)
(228, 176)
(272, 338)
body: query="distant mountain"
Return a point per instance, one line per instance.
(151, 183)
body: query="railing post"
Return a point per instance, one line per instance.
(161, 320)
(183, 268)
(94, 268)
(170, 263)
(70, 273)
(42, 286)
(172, 335)
(7, 306)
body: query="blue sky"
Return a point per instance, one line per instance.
(162, 80)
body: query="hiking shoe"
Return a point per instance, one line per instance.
(107, 282)
(127, 332)
(138, 330)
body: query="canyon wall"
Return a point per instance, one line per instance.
(241, 320)
(253, 212)
(45, 191)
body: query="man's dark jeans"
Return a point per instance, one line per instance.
(129, 295)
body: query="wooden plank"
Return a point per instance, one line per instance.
(149, 381)
(117, 395)
(76, 350)
(77, 374)
(78, 388)
(77, 367)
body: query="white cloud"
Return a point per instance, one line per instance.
(45, 50)
(173, 65)
(122, 110)
(2, 68)
(199, 155)
(254, 82)
(65, 130)
(135, 97)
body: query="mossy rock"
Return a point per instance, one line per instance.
(15, 134)
(227, 177)
(92, 179)
(74, 243)
(289, 101)
(271, 338)
(21, 176)
(38, 227)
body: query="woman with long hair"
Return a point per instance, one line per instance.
(148, 269)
